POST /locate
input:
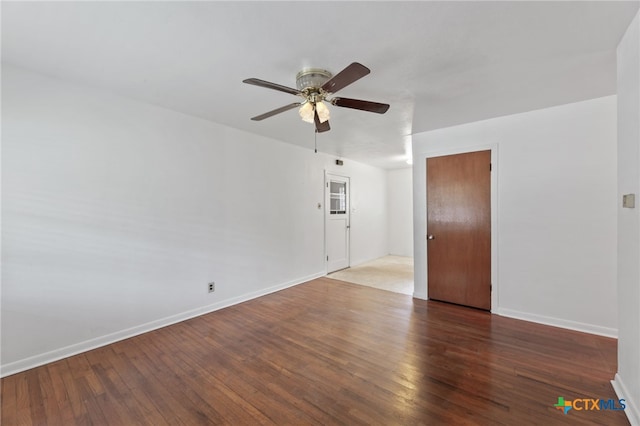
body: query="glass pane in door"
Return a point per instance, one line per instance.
(338, 197)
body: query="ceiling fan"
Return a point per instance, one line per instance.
(316, 86)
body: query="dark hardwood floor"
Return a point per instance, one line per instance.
(326, 352)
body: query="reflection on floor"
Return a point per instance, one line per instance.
(392, 273)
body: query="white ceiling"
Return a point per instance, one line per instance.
(437, 63)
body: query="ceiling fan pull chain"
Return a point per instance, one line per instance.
(315, 140)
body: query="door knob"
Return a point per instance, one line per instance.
(430, 237)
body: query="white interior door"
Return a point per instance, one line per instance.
(337, 221)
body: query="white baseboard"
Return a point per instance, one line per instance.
(420, 295)
(558, 322)
(65, 352)
(632, 411)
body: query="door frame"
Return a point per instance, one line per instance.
(327, 207)
(420, 290)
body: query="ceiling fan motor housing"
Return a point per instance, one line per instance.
(312, 78)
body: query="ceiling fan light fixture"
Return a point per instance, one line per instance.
(315, 86)
(306, 112)
(323, 111)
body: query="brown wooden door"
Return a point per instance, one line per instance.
(459, 229)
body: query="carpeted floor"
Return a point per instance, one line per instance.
(392, 273)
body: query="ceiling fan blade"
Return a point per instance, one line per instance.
(361, 105)
(353, 72)
(269, 85)
(276, 111)
(321, 127)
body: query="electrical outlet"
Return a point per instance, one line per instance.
(212, 287)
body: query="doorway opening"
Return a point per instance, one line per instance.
(394, 271)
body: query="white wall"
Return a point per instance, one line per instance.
(116, 215)
(556, 211)
(627, 381)
(368, 210)
(400, 210)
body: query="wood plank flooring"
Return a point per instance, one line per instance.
(326, 352)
